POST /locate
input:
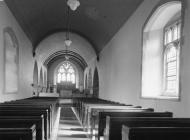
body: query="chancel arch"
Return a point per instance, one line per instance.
(161, 52)
(56, 64)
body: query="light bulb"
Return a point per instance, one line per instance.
(68, 42)
(73, 4)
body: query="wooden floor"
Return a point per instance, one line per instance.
(69, 127)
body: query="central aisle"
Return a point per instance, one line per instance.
(69, 126)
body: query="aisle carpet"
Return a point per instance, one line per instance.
(69, 126)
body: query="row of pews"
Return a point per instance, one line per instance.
(109, 120)
(28, 119)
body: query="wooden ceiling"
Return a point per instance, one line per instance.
(95, 20)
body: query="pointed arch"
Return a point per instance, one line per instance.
(96, 83)
(86, 82)
(90, 79)
(45, 79)
(35, 74)
(11, 64)
(41, 77)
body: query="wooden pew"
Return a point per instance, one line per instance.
(100, 120)
(18, 132)
(89, 107)
(85, 106)
(114, 125)
(81, 104)
(86, 109)
(50, 101)
(29, 113)
(30, 107)
(156, 133)
(46, 103)
(37, 120)
(50, 105)
(93, 113)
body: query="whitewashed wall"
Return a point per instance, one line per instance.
(26, 62)
(120, 65)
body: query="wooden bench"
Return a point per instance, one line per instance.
(37, 120)
(30, 113)
(85, 106)
(93, 113)
(18, 132)
(30, 107)
(89, 107)
(51, 106)
(100, 120)
(50, 101)
(156, 133)
(114, 125)
(80, 104)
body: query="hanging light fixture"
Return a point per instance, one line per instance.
(67, 35)
(73, 4)
(66, 53)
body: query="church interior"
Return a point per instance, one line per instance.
(94, 70)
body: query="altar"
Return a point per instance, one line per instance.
(65, 93)
(65, 89)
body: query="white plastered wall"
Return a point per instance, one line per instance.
(26, 62)
(121, 60)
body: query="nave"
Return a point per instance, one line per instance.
(45, 118)
(123, 65)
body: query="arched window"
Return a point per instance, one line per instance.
(161, 49)
(66, 73)
(171, 58)
(11, 64)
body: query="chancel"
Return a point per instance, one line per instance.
(94, 70)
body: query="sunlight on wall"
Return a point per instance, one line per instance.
(152, 61)
(153, 46)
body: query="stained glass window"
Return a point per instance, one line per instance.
(66, 73)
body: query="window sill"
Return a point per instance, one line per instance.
(162, 97)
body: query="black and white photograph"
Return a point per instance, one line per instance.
(94, 70)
